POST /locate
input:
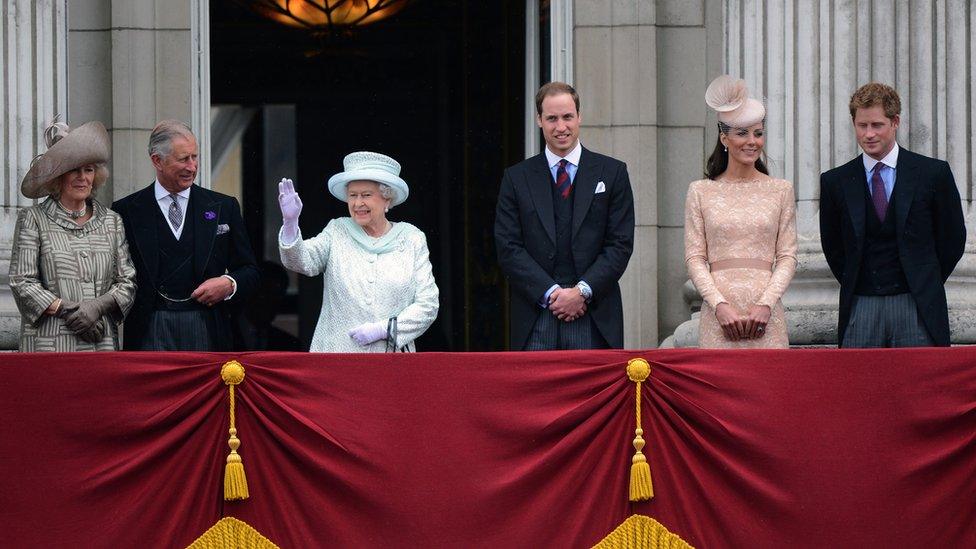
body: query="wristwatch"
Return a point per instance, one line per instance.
(587, 293)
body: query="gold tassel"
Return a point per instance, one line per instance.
(641, 487)
(235, 483)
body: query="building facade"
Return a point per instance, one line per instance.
(641, 67)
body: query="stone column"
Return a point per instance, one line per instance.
(127, 63)
(156, 74)
(32, 90)
(615, 66)
(807, 58)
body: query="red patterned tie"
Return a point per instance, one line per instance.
(878, 192)
(563, 185)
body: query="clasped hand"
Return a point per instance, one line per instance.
(567, 304)
(82, 319)
(748, 326)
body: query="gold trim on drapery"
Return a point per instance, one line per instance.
(230, 533)
(642, 532)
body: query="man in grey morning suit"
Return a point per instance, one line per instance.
(564, 232)
(892, 229)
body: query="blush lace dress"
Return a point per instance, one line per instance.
(740, 248)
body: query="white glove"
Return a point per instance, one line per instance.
(364, 334)
(291, 208)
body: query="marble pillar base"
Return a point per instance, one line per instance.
(9, 315)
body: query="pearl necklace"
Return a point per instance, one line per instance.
(74, 214)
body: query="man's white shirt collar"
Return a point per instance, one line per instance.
(162, 193)
(573, 157)
(890, 159)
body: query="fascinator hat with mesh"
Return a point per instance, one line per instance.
(730, 98)
(369, 166)
(67, 150)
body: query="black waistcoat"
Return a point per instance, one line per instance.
(880, 272)
(564, 269)
(175, 274)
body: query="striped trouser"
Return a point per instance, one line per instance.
(180, 331)
(885, 321)
(551, 334)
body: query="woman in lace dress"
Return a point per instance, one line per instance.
(379, 292)
(740, 230)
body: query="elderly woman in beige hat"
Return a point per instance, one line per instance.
(740, 229)
(70, 271)
(379, 293)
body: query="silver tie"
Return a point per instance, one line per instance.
(175, 212)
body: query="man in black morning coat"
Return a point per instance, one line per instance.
(191, 252)
(892, 230)
(564, 232)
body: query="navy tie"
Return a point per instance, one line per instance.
(878, 195)
(563, 185)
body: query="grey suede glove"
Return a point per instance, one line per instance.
(94, 334)
(89, 312)
(66, 308)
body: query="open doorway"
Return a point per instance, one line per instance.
(439, 86)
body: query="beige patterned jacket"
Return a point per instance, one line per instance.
(53, 257)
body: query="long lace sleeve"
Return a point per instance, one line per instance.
(307, 257)
(414, 320)
(785, 250)
(696, 250)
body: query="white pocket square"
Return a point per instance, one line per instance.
(600, 188)
(223, 228)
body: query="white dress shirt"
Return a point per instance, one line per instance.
(888, 172)
(164, 201)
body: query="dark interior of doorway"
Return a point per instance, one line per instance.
(438, 86)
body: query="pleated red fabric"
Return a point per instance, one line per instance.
(828, 448)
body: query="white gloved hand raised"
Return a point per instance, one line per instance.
(364, 334)
(291, 208)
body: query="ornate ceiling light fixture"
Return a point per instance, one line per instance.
(326, 16)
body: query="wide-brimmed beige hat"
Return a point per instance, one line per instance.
(369, 166)
(67, 150)
(730, 98)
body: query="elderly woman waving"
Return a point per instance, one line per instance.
(70, 272)
(379, 292)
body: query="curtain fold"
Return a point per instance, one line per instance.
(799, 448)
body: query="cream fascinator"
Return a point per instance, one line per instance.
(730, 98)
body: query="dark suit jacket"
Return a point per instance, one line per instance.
(214, 255)
(603, 239)
(930, 229)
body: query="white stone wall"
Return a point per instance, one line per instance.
(32, 90)
(807, 58)
(641, 67)
(615, 47)
(126, 63)
(129, 66)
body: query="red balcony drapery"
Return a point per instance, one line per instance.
(764, 449)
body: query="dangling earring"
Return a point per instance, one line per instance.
(387, 210)
(726, 148)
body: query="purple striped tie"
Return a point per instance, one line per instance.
(563, 185)
(878, 192)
